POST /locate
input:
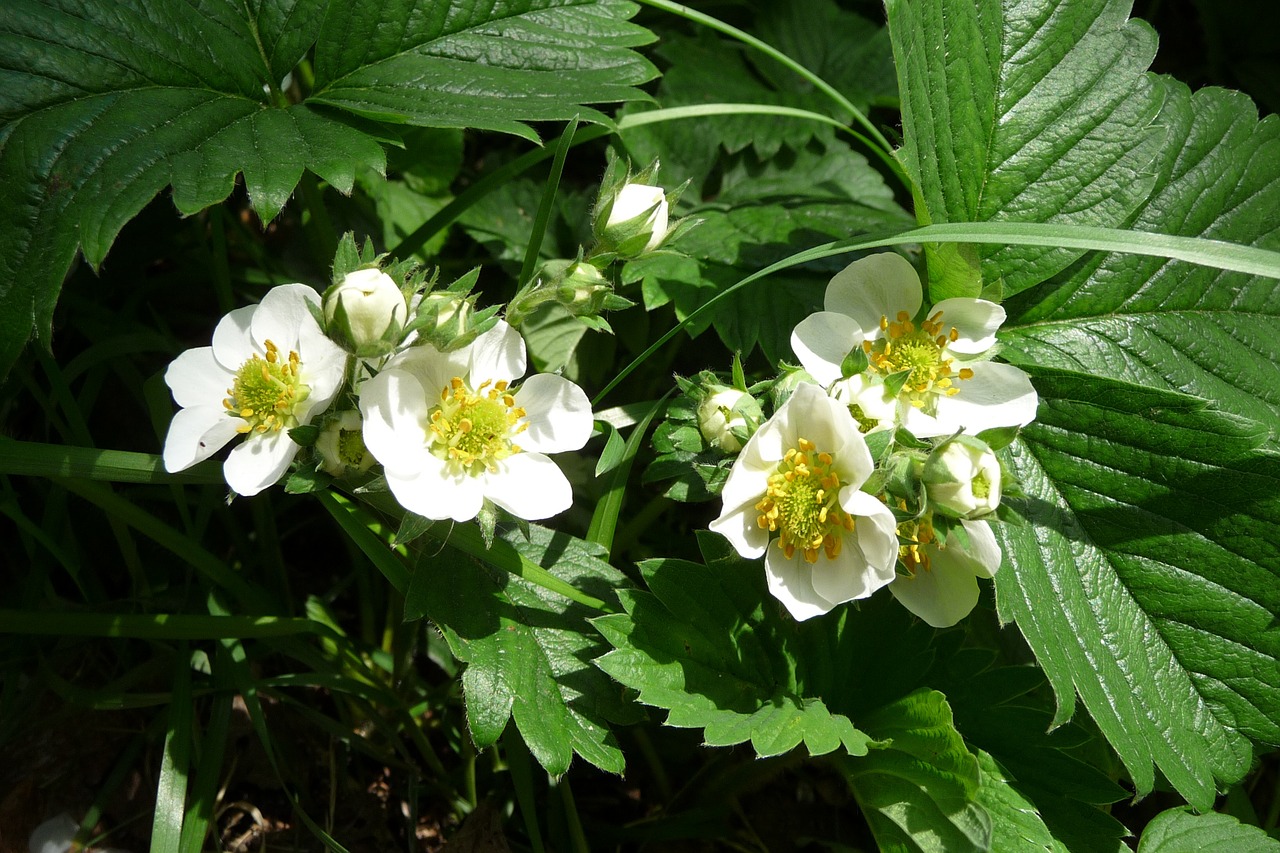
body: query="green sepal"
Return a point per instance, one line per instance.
(304, 482)
(305, 435)
(894, 382)
(855, 362)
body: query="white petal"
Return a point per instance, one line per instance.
(282, 313)
(738, 525)
(844, 578)
(822, 340)
(558, 414)
(496, 355)
(921, 425)
(195, 434)
(437, 493)
(876, 532)
(983, 555)
(876, 286)
(394, 407)
(975, 320)
(197, 379)
(433, 368)
(791, 582)
(258, 462)
(529, 486)
(942, 596)
(232, 342)
(998, 395)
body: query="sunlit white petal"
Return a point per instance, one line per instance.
(822, 341)
(998, 395)
(880, 285)
(975, 320)
(531, 486)
(258, 462)
(195, 434)
(791, 582)
(558, 414)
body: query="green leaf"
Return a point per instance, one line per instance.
(477, 65)
(706, 645)
(1016, 825)
(1164, 323)
(1180, 831)
(528, 650)
(1026, 113)
(118, 101)
(1146, 577)
(919, 790)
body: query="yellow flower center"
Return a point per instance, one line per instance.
(267, 392)
(914, 538)
(801, 504)
(473, 429)
(351, 449)
(918, 352)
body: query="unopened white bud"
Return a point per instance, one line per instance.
(366, 312)
(637, 221)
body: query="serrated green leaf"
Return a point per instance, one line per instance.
(528, 650)
(1146, 579)
(1180, 831)
(707, 644)
(1036, 112)
(1016, 826)
(477, 65)
(117, 101)
(1164, 323)
(919, 790)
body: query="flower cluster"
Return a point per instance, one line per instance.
(835, 521)
(377, 372)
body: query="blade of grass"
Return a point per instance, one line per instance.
(156, 626)
(171, 788)
(358, 524)
(208, 765)
(876, 141)
(539, 230)
(213, 569)
(417, 238)
(34, 459)
(604, 521)
(521, 769)
(238, 664)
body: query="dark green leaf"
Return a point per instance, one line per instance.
(1168, 324)
(528, 650)
(919, 791)
(117, 101)
(1035, 112)
(1146, 578)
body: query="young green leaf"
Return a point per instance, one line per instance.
(1181, 831)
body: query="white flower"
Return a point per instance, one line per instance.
(365, 312)
(637, 209)
(450, 431)
(941, 584)
(947, 385)
(799, 476)
(963, 478)
(270, 369)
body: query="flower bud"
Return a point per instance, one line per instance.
(727, 417)
(962, 478)
(341, 446)
(636, 221)
(583, 289)
(365, 313)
